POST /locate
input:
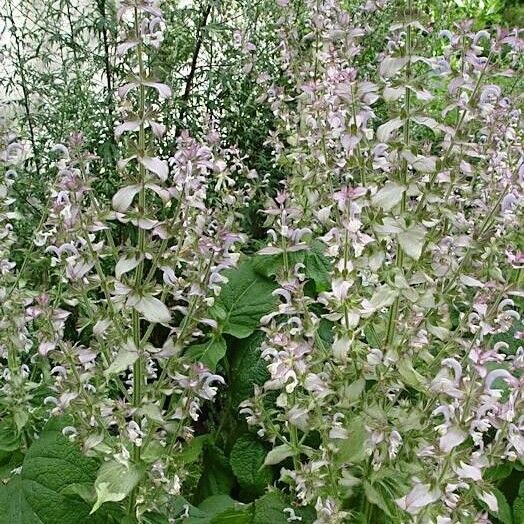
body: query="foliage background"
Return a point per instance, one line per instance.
(58, 77)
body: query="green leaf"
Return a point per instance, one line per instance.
(243, 301)
(8, 462)
(247, 368)
(192, 515)
(518, 506)
(209, 353)
(39, 495)
(270, 265)
(504, 512)
(278, 454)
(269, 509)
(318, 267)
(353, 448)
(391, 194)
(499, 472)
(217, 477)
(412, 240)
(155, 518)
(152, 451)
(217, 509)
(9, 435)
(115, 482)
(193, 450)
(375, 496)
(371, 335)
(410, 375)
(85, 490)
(125, 358)
(247, 461)
(232, 516)
(216, 504)
(21, 418)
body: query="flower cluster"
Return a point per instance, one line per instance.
(390, 362)
(137, 280)
(20, 377)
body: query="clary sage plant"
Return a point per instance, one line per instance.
(363, 364)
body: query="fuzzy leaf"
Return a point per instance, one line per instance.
(385, 131)
(504, 510)
(125, 357)
(392, 65)
(278, 454)
(247, 368)
(270, 265)
(209, 353)
(193, 450)
(217, 504)
(375, 496)
(232, 516)
(243, 301)
(412, 240)
(153, 309)
(9, 436)
(114, 482)
(318, 267)
(269, 509)
(219, 509)
(124, 197)
(410, 375)
(39, 494)
(518, 506)
(388, 196)
(353, 448)
(156, 166)
(125, 264)
(247, 462)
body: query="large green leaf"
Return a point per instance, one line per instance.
(269, 509)
(271, 265)
(114, 482)
(9, 435)
(243, 301)
(209, 353)
(39, 494)
(217, 477)
(247, 368)
(518, 506)
(192, 451)
(247, 461)
(218, 509)
(216, 504)
(232, 516)
(504, 514)
(318, 267)
(352, 449)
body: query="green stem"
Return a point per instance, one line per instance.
(138, 366)
(394, 310)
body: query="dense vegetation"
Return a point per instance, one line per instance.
(261, 262)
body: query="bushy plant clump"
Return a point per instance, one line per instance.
(329, 335)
